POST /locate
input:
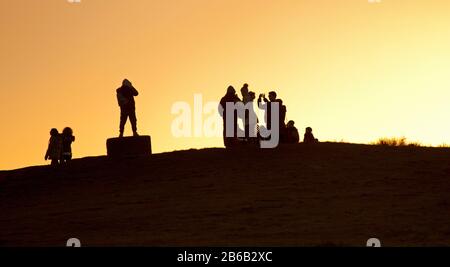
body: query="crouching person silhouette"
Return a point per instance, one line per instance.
(309, 137)
(54, 147)
(125, 98)
(292, 136)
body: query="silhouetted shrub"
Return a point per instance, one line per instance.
(396, 141)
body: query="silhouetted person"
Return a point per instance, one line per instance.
(282, 119)
(272, 99)
(268, 116)
(54, 147)
(245, 94)
(67, 140)
(125, 98)
(309, 137)
(250, 126)
(292, 136)
(283, 111)
(230, 97)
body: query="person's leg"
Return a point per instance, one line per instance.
(227, 141)
(133, 121)
(123, 121)
(247, 125)
(67, 157)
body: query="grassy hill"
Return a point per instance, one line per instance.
(325, 195)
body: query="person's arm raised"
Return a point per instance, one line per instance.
(135, 92)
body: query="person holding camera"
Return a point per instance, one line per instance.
(269, 102)
(125, 99)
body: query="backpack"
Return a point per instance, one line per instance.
(122, 100)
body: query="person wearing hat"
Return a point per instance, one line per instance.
(125, 99)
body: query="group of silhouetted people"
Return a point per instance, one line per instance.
(288, 133)
(60, 146)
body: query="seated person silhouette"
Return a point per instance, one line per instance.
(292, 136)
(309, 137)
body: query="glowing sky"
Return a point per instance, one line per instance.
(350, 69)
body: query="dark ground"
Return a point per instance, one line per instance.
(327, 195)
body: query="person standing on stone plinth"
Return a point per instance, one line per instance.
(125, 98)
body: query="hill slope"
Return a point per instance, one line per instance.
(330, 194)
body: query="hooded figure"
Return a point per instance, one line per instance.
(125, 99)
(67, 140)
(230, 97)
(54, 147)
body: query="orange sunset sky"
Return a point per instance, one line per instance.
(352, 70)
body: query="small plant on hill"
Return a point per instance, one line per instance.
(396, 141)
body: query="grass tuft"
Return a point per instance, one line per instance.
(396, 141)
